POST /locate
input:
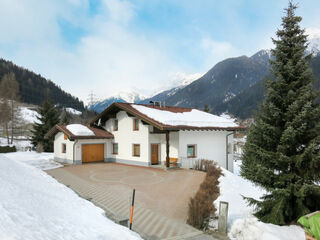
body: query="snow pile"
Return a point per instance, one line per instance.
(43, 161)
(252, 229)
(35, 206)
(28, 115)
(232, 188)
(79, 130)
(241, 223)
(73, 111)
(194, 118)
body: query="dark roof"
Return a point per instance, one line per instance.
(98, 133)
(111, 111)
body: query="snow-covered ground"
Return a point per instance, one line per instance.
(242, 225)
(20, 143)
(43, 161)
(35, 206)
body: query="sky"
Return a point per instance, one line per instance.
(107, 46)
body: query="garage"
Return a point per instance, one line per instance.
(92, 153)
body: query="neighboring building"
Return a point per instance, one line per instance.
(147, 135)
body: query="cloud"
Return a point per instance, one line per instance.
(217, 50)
(108, 58)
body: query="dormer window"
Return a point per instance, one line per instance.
(135, 124)
(115, 125)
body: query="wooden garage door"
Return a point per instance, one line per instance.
(92, 153)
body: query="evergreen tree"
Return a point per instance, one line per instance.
(206, 108)
(49, 117)
(282, 151)
(65, 119)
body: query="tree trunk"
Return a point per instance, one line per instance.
(12, 120)
(7, 133)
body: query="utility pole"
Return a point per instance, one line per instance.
(92, 98)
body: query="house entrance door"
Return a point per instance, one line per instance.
(154, 154)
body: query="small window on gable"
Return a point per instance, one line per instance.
(115, 125)
(135, 124)
(136, 150)
(64, 148)
(65, 137)
(114, 148)
(191, 151)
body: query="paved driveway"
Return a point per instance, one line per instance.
(161, 196)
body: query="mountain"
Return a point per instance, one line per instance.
(223, 82)
(246, 102)
(129, 96)
(33, 87)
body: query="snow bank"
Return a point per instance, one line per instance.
(43, 161)
(241, 223)
(252, 229)
(35, 206)
(28, 115)
(194, 118)
(73, 111)
(232, 188)
(79, 130)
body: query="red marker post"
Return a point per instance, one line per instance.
(132, 206)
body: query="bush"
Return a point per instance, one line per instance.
(201, 207)
(6, 149)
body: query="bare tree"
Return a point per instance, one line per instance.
(9, 89)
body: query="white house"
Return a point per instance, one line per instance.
(147, 135)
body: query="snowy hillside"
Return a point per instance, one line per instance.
(29, 115)
(35, 206)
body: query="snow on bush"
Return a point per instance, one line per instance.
(35, 206)
(195, 118)
(79, 130)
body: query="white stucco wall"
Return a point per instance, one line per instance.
(126, 137)
(210, 145)
(58, 141)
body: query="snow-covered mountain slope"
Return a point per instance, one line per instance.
(314, 40)
(178, 81)
(124, 96)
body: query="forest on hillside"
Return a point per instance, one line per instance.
(33, 88)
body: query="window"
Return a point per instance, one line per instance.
(136, 150)
(114, 148)
(135, 124)
(115, 125)
(191, 151)
(65, 137)
(64, 148)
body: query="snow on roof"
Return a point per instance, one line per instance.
(79, 130)
(193, 118)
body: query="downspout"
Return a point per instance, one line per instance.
(74, 144)
(227, 157)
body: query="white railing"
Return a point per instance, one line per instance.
(187, 162)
